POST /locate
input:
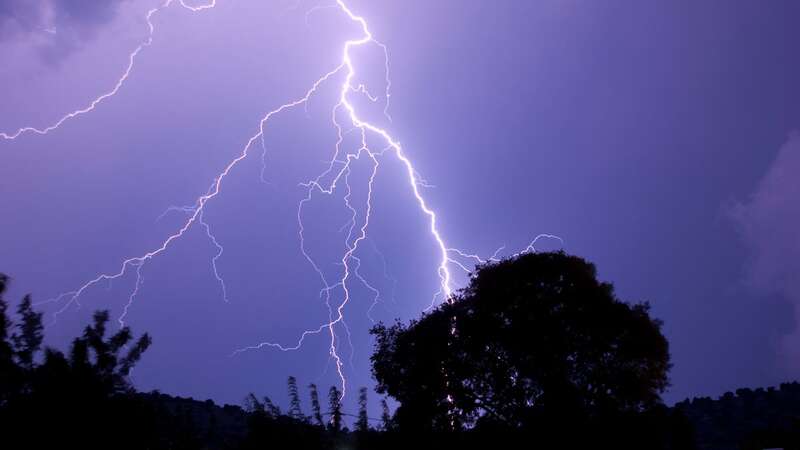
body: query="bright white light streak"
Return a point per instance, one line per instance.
(120, 81)
(339, 169)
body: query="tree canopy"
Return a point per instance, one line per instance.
(533, 339)
(89, 384)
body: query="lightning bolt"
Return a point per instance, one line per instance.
(120, 81)
(356, 235)
(336, 294)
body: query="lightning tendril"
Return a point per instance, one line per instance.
(338, 171)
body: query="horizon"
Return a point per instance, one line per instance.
(656, 140)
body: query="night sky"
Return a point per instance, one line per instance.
(657, 139)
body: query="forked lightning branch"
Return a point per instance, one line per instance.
(337, 293)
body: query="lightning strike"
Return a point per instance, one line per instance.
(120, 81)
(336, 295)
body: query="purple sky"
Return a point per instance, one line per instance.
(656, 138)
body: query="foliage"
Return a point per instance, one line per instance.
(386, 417)
(82, 398)
(316, 409)
(362, 424)
(534, 341)
(295, 411)
(747, 418)
(335, 409)
(535, 348)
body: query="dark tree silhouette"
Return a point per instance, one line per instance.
(268, 428)
(335, 409)
(316, 409)
(101, 357)
(295, 410)
(253, 405)
(532, 340)
(9, 376)
(535, 350)
(48, 390)
(386, 416)
(271, 408)
(28, 338)
(362, 424)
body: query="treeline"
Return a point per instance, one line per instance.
(83, 399)
(269, 426)
(747, 419)
(332, 418)
(535, 352)
(78, 399)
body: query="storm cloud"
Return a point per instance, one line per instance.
(57, 27)
(769, 222)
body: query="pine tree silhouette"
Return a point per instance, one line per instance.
(335, 409)
(386, 417)
(362, 423)
(316, 409)
(295, 411)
